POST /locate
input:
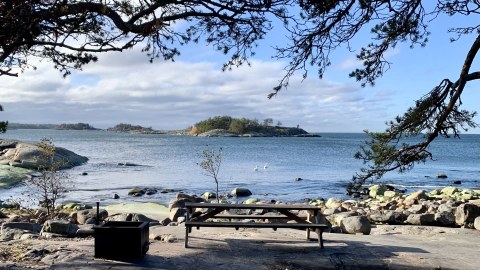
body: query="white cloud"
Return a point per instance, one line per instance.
(172, 95)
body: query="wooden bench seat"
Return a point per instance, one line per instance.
(252, 217)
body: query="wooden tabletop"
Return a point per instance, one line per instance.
(252, 206)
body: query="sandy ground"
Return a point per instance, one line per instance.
(388, 247)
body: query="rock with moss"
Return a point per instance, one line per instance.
(376, 190)
(19, 160)
(449, 191)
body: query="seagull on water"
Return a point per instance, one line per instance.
(265, 166)
(256, 168)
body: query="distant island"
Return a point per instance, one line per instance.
(77, 126)
(218, 126)
(134, 129)
(227, 126)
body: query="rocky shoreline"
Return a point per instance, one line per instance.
(448, 207)
(458, 209)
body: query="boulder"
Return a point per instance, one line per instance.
(476, 223)
(60, 227)
(421, 219)
(85, 231)
(209, 195)
(333, 203)
(376, 190)
(177, 203)
(475, 202)
(445, 218)
(24, 226)
(446, 208)
(251, 201)
(330, 211)
(449, 191)
(12, 234)
(390, 194)
(16, 230)
(189, 198)
(28, 155)
(337, 218)
(396, 218)
(175, 213)
(378, 218)
(142, 218)
(89, 216)
(465, 214)
(417, 209)
(356, 224)
(136, 192)
(417, 195)
(241, 192)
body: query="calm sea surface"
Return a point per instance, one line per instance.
(325, 164)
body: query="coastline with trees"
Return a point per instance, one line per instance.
(217, 126)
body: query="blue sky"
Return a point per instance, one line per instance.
(126, 88)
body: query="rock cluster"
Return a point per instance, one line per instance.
(448, 207)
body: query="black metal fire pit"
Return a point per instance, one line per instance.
(121, 240)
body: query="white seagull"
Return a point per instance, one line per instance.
(256, 168)
(265, 166)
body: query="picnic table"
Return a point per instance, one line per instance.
(284, 211)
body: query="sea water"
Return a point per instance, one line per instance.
(325, 164)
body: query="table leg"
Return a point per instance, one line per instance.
(307, 234)
(187, 228)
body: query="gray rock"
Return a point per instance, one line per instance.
(178, 203)
(476, 223)
(241, 192)
(85, 231)
(418, 195)
(89, 216)
(396, 218)
(378, 218)
(421, 219)
(48, 235)
(177, 212)
(28, 236)
(61, 227)
(27, 155)
(189, 197)
(142, 218)
(445, 218)
(417, 209)
(136, 192)
(465, 214)
(333, 203)
(120, 217)
(356, 224)
(12, 234)
(330, 211)
(446, 208)
(24, 226)
(337, 218)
